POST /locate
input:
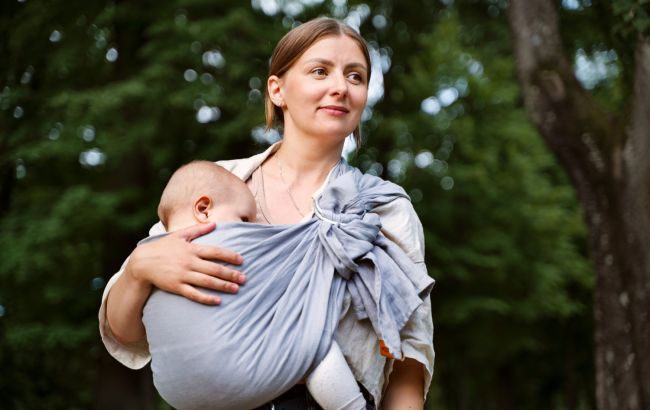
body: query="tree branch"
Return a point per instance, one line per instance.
(575, 128)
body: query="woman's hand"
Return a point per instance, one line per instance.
(173, 264)
(176, 265)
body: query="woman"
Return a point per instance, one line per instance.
(317, 89)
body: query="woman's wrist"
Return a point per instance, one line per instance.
(135, 277)
(124, 306)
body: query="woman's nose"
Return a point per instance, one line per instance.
(340, 84)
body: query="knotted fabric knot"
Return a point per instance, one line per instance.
(333, 217)
(347, 238)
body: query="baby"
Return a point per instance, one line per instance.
(203, 192)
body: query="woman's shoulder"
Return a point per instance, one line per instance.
(244, 167)
(401, 224)
(241, 167)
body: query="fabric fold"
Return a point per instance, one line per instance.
(262, 341)
(386, 287)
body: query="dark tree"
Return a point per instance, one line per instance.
(605, 155)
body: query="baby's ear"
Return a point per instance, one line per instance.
(201, 208)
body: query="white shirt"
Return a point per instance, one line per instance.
(357, 339)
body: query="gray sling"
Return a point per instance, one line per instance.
(260, 342)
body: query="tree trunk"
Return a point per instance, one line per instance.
(606, 159)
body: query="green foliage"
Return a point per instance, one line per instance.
(634, 16)
(504, 235)
(99, 102)
(95, 113)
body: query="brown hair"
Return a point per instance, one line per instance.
(294, 44)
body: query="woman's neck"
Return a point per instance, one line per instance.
(311, 159)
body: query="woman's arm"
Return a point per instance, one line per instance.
(176, 265)
(411, 378)
(124, 309)
(405, 388)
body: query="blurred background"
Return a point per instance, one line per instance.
(101, 100)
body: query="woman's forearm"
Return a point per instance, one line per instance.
(405, 387)
(172, 264)
(124, 306)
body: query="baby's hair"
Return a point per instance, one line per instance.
(197, 177)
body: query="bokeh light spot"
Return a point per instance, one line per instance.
(430, 105)
(92, 157)
(112, 54)
(21, 170)
(423, 159)
(207, 114)
(97, 283)
(262, 135)
(447, 183)
(190, 75)
(379, 22)
(213, 58)
(56, 36)
(18, 112)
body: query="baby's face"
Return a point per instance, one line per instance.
(241, 209)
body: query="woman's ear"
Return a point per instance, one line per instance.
(274, 88)
(201, 208)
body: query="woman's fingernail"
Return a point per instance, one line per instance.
(241, 278)
(234, 288)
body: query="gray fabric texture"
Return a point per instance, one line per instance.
(260, 342)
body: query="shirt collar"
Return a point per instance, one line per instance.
(256, 160)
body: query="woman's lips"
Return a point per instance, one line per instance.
(335, 110)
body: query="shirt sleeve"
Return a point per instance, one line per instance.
(132, 355)
(401, 224)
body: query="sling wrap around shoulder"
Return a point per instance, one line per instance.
(260, 342)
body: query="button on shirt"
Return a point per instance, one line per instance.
(356, 338)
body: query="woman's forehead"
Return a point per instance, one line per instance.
(335, 47)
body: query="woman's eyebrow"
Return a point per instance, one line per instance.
(330, 63)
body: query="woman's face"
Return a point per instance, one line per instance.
(324, 93)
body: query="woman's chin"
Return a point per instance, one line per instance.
(336, 133)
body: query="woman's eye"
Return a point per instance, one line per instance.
(319, 71)
(356, 78)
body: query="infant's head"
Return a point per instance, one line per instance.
(202, 192)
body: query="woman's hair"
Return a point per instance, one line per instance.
(294, 44)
